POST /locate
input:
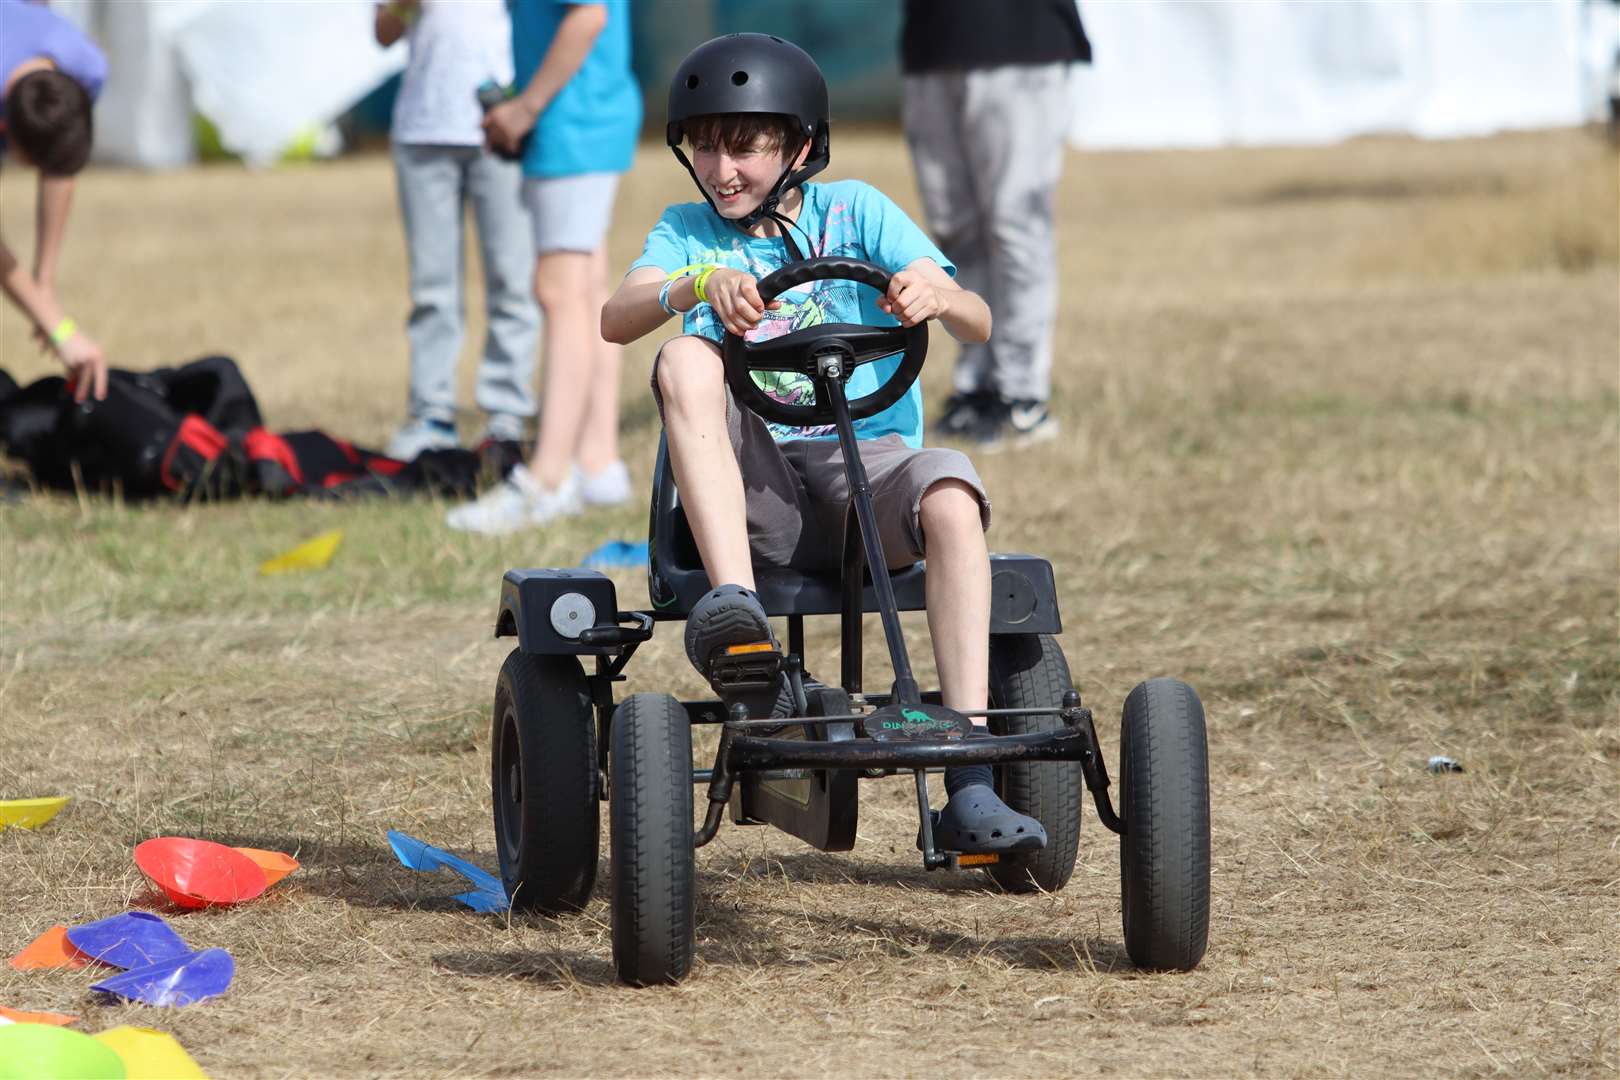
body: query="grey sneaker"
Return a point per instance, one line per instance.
(420, 434)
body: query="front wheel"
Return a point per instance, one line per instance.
(650, 801)
(543, 782)
(1164, 851)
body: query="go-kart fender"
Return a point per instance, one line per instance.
(547, 609)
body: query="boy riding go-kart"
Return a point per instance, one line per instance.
(792, 470)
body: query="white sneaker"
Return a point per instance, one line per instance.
(610, 487)
(419, 434)
(518, 502)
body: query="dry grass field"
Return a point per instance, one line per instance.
(1342, 449)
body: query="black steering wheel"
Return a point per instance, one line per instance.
(803, 351)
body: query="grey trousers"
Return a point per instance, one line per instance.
(435, 185)
(987, 147)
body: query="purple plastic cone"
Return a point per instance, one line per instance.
(134, 939)
(181, 980)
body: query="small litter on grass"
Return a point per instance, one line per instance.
(274, 864)
(489, 894)
(310, 555)
(134, 939)
(199, 873)
(150, 1055)
(20, 1016)
(181, 980)
(616, 553)
(44, 1052)
(1439, 763)
(52, 949)
(30, 813)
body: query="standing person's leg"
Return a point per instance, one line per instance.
(931, 111)
(604, 480)
(562, 285)
(506, 243)
(430, 201)
(569, 216)
(1016, 121)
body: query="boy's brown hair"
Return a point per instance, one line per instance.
(738, 132)
(48, 116)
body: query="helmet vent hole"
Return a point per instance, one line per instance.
(691, 82)
(738, 78)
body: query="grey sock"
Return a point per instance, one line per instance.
(958, 777)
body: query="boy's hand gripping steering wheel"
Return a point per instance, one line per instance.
(803, 351)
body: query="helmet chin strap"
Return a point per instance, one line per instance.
(768, 208)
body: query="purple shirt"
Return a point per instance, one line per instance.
(29, 30)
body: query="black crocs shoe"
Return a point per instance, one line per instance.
(722, 621)
(727, 616)
(977, 822)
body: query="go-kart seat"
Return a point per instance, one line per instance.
(676, 579)
(1023, 593)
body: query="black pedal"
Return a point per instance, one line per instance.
(909, 723)
(745, 669)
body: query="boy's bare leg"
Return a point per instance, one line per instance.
(564, 286)
(691, 380)
(958, 593)
(599, 437)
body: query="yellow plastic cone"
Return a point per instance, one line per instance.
(30, 813)
(150, 1055)
(310, 555)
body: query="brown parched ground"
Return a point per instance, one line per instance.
(1341, 448)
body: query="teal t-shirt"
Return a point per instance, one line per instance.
(846, 218)
(592, 123)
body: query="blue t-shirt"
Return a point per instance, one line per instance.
(30, 30)
(846, 218)
(592, 124)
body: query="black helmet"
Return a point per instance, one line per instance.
(752, 73)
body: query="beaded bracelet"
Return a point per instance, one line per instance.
(63, 331)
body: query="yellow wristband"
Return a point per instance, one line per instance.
(700, 281)
(64, 330)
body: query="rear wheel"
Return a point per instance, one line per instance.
(543, 783)
(1028, 670)
(1164, 852)
(654, 891)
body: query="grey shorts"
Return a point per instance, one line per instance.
(797, 492)
(570, 213)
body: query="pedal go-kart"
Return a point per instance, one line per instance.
(561, 747)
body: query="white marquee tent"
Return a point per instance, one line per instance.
(1178, 73)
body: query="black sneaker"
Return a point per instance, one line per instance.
(962, 413)
(1016, 422)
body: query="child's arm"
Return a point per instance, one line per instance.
(83, 358)
(507, 123)
(633, 312)
(923, 290)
